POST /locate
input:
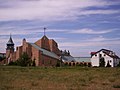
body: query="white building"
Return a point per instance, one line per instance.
(106, 56)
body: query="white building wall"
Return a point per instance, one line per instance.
(95, 60)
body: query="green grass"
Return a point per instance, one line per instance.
(64, 78)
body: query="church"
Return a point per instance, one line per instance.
(45, 51)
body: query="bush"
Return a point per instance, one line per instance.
(102, 62)
(24, 60)
(118, 65)
(12, 63)
(89, 65)
(2, 58)
(58, 64)
(108, 64)
(116, 86)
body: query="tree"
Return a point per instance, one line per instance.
(24, 60)
(58, 64)
(2, 58)
(102, 62)
(89, 64)
(108, 64)
(118, 65)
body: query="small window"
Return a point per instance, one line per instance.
(95, 54)
(110, 61)
(104, 55)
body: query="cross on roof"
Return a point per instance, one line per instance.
(44, 30)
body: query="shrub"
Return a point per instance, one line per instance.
(24, 60)
(118, 65)
(89, 65)
(116, 86)
(108, 64)
(58, 64)
(102, 62)
(13, 63)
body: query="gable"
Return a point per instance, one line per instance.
(109, 53)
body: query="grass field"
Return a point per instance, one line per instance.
(64, 78)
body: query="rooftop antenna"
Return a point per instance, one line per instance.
(44, 31)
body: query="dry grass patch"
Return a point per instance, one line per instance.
(66, 78)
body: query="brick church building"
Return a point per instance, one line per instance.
(45, 51)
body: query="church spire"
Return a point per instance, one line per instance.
(10, 41)
(10, 44)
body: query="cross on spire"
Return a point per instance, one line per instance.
(44, 30)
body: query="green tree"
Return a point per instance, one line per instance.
(102, 62)
(118, 65)
(24, 60)
(2, 58)
(58, 64)
(108, 64)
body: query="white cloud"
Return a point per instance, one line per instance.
(89, 44)
(25, 31)
(89, 12)
(91, 31)
(100, 39)
(47, 10)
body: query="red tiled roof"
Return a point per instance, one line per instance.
(93, 53)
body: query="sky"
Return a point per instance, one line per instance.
(81, 26)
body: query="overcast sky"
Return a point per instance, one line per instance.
(81, 26)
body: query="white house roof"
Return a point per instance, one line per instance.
(107, 52)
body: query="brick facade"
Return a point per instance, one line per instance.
(45, 52)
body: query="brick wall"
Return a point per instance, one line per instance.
(43, 43)
(54, 47)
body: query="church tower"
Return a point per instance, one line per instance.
(9, 49)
